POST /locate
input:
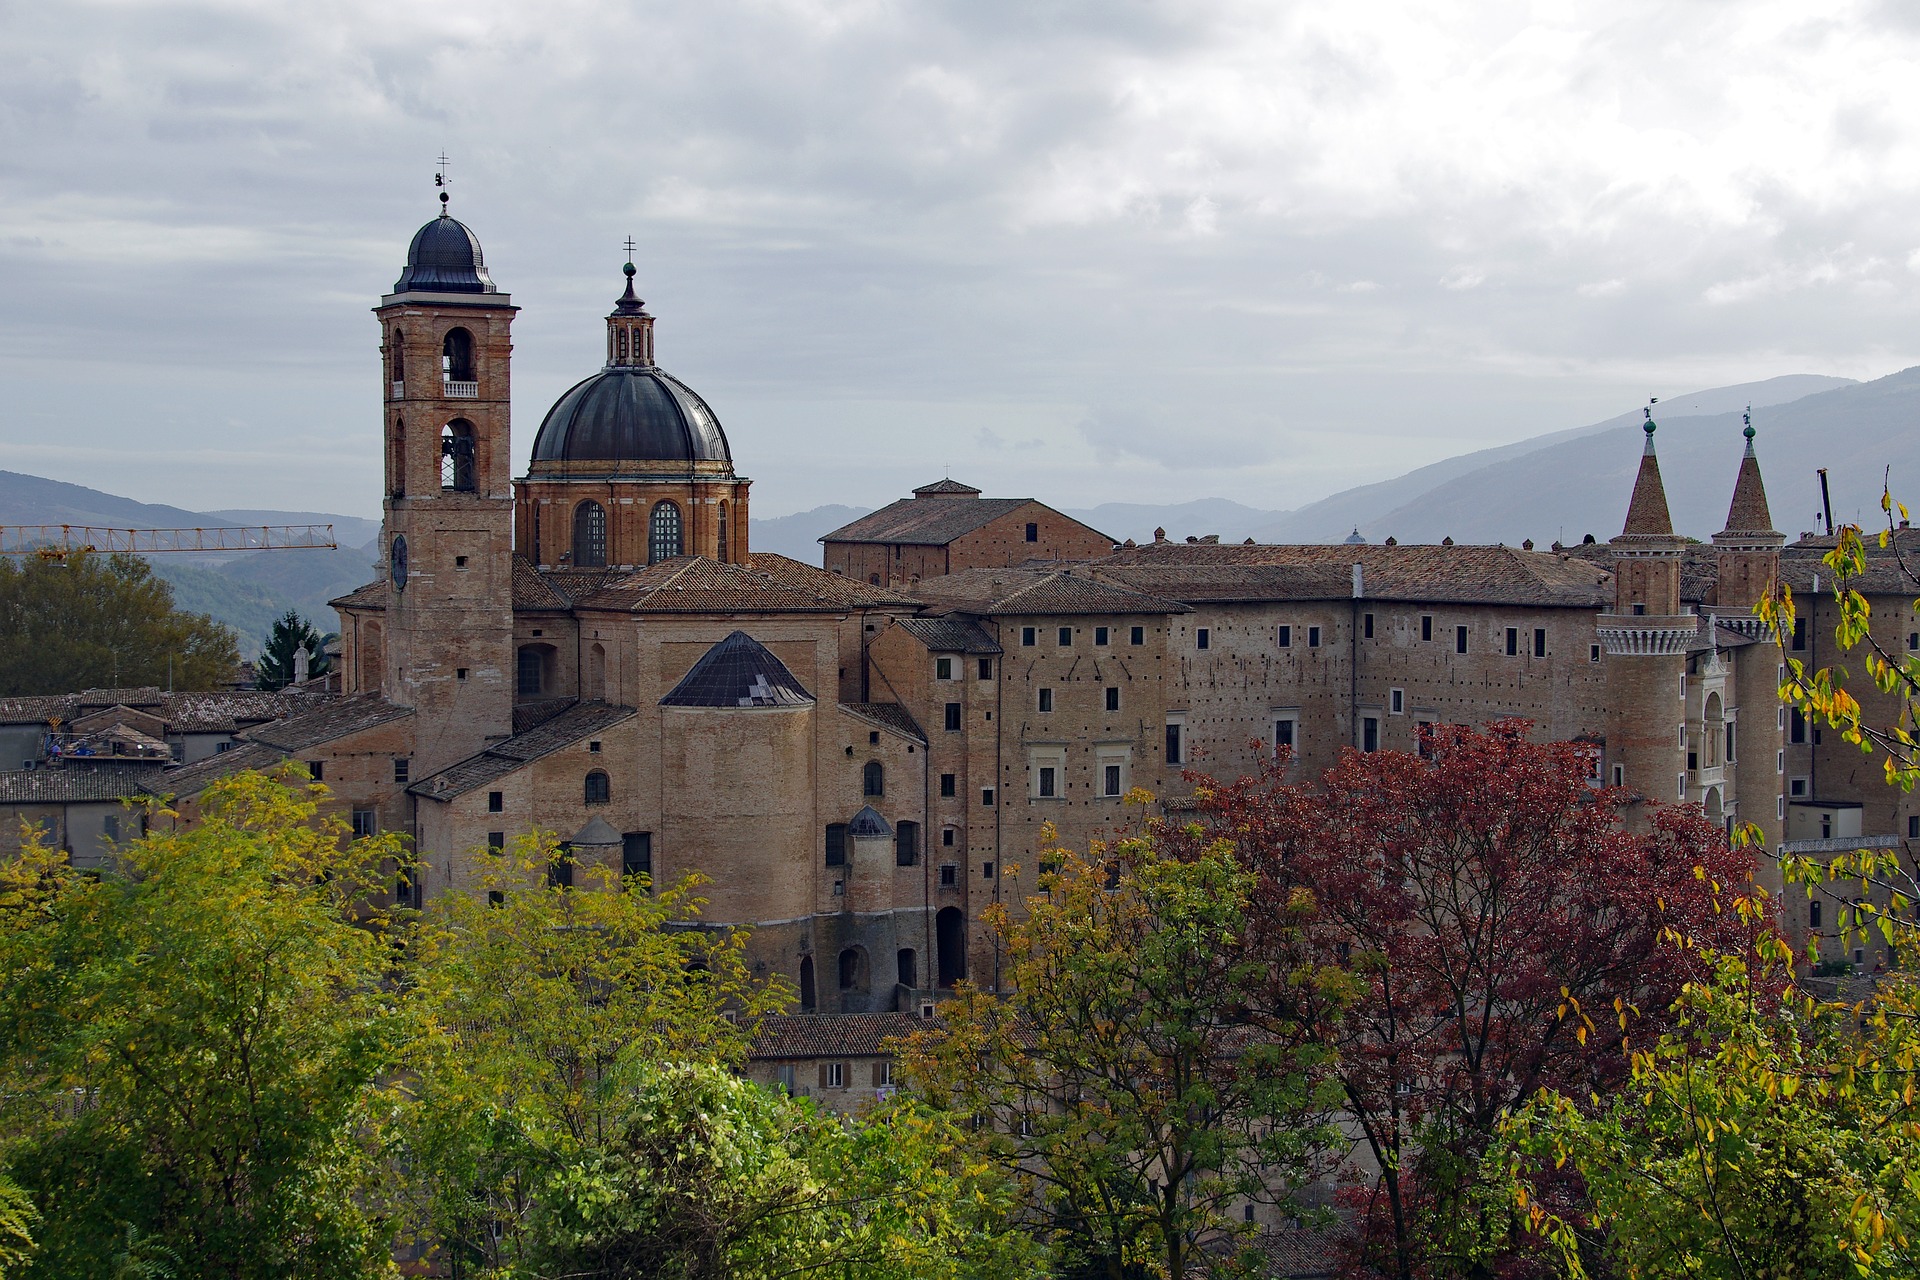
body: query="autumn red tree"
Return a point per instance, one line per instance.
(1500, 917)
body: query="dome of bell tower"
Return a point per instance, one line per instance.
(445, 258)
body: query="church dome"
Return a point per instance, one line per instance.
(445, 258)
(631, 413)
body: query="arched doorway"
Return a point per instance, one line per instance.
(950, 941)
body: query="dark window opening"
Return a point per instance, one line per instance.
(1796, 725)
(1513, 642)
(1366, 626)
(1284, 636)
(1066, 637)
(1033, 532)
(1203, 638)
(496, 840)
(986, 668)
(947, 783)
(401, 767)
(906, 967)
(598, 790)
(1173, 744)
(589, 535)
(1100, 635)
(953, 717)
(986, 797)
(1539, 642)
(836, 844)
(1047, 787)
(1113, 699)
(456, 356)
(1799, 633)
(636, 854)
(1369, 734)
(946, 837)
(1313, 637)
(1137, 635)
(906, 844)
(1046, 700)
(560, 870)
(950, 938)
(1110, 779)
(1426, 626)
(849, 969)
(1459, 639)
(873, 780)
(496, 801)
(807, 1000)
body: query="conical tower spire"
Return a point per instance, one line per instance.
(1647, 514)
(1748, 518)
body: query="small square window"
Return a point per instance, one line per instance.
(1203, 638)
(401, 767)
(943, 668)
(1027, 637)
(459, 673)
(1137, 635)
(986, 668)
(953, 717)
(1113, 699)
(1100, 635)
(1797, 788)
(1066, 636)
(949, 875)
(946, 784)
(986, 871)
(1033, 531)
(946, 837)
(1313, 637)
(593, 746)
(1046, 700)
(1283, 636)
(496, 802)
(459, 562)
(986, 797)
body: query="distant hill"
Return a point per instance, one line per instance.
(798, 536)
(1233, 521)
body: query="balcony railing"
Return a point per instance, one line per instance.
(461, 390)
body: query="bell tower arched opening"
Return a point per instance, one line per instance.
(456, 456)
(456, 357)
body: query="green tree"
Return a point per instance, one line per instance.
(92, 621)
(1120, 1077)
(189, 1043)
(16, 1228)
(278, 665)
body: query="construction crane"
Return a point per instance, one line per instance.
(58, 541)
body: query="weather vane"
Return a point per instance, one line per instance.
(441, 180)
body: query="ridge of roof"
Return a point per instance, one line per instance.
(341, 718)
(767, 583)
(887, 715)
(994, 592)
(918, 522)
(510, 754)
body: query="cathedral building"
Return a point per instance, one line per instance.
(859, 759)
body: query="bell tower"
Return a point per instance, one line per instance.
(447, 648)
(1646, 637)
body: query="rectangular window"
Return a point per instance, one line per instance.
(1026, 637)
(986, 668)
(1100, 635)
(1539, 642)
(836, 844)
(949, 875)
(1396, 701)
(833, 1075)
(1113, 699)
(401, 766)
(1047, 788)
(1110, 780)
(1797, 788)
(496, 801)
(953, 717)
(946, 784)
(906, 843)
(1913, 827)
(1283, 636)
(1173, 744)
(1796, 725)
(1593, 653)
(1370, 733)
(1366, 626)
(1313, 637)
(1046, 700)
(317, 769)
(1813, 913)
(986, 797)
(1799, 633)
(1426, 626)
(1284, 733)
(1066, 637)
(1203, 638)
(883, 1072)
(1619, 775)
(943, 668)
(946, 837)
(986, 871)
(1513, 642)
(1033, 531)
(636, 853)
(1459, 639)
(496, 840)
(1137, 636)
(365, 823)
(1730, 741)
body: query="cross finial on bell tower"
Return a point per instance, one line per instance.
(442, 181)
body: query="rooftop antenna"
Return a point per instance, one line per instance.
(442, 181)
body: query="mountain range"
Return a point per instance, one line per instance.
(1559, 486)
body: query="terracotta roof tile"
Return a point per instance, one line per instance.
(70, 785)
(888, 716)
(1647, 515)
(951, 635)
(531, 590)
(767, 583)
(372, 596)
(850, 1035)
(502, 758)
(1032, 592)
(336, 718)
(528, 716)
(1465, 574)
(1748, 513)
(192, 779)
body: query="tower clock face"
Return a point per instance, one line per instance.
(398, 563)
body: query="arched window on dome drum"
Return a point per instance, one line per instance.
(589, 535)
(663, 542)
(721, 554)
(456, 456)
(456, 356)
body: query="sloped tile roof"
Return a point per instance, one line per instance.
(528, 716)
(371, 596)
(1800, 561)
(1027, 591)
(335, 719)
(227, 712)
(192, 779)
(1647, 515)
(38, 709)
(502, 758)
(531, 590)
(948, 485)
(846, 1035)
(145, 695)
(926, 521)
(951, 635)
(1748, 513)
(737, 672)
(1462, 574)
(888, 716)
(71, 785)
(767, 583)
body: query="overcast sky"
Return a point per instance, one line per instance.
(1086, 251)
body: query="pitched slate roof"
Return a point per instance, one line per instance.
(737, 672)
(192, 779)
(951, 635)
(849, 1035)
(1030, 591)
(767, 583)
(335, 719)
(1463, 574)
(503, 758)
(887, 716)
(926, 521)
